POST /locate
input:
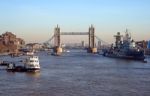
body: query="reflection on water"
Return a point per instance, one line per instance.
(78, 74)
(33, 74)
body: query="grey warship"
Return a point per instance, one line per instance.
(124, 48)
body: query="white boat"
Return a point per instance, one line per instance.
(30, 53)
(67, 51)
(32, 63)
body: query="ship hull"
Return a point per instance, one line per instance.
(125, 57)
(23, 70)
(33, 69)
(129, 55)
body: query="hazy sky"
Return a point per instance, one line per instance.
(34, 20)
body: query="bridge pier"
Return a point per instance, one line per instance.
(57, 50)
(92, 47)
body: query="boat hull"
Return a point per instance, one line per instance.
(125, 57)
(22, 69)
(131, 56)
(33, 69)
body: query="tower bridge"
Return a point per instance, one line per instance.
(57, 49)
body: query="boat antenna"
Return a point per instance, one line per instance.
(128, 33)
(126, 30)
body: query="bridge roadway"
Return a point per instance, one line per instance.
(74, 33)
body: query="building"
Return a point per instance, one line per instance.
(10, 43)
(148, 45)
(143, 44)
(82, 44)
(34, 46)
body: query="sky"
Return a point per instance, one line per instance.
(35, 20)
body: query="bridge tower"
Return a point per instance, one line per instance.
(92, 47)
(57, 45)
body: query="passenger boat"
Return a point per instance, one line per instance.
(3, 63)
(30, 53)
(30, 64)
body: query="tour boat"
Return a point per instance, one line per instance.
(30, 53)
(30, 64)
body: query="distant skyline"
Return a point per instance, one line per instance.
(34, 20)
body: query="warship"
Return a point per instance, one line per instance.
(125, 48)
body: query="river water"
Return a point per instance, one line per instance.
(78, 74)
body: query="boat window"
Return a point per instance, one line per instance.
(31, 60)
(31, 65)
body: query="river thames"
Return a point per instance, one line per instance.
(78, 74)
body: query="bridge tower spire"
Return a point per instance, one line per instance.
(57, 36)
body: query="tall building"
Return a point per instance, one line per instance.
(99, 45)
(83, 44)
(148, 45)
(143, 44)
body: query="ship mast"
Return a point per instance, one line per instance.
(127, 36)
(118, 39)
